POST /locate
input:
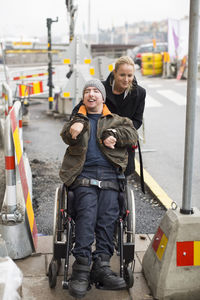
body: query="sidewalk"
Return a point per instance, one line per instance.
(35, 284)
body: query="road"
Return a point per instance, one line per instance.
(164, 134)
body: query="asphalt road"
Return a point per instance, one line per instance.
(164, 134)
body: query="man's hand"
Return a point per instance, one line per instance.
(110, 142)
(76, 129)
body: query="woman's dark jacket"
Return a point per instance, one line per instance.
(132, 107)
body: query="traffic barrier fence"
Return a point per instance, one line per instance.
(17, 223)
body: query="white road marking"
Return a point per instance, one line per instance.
(156, 85)
(151, 102)
(173, 96)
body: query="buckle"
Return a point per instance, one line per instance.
(96, 183)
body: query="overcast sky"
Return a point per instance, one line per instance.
(27, 18)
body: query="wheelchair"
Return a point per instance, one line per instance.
(64, 235)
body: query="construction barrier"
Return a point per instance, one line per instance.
(182, 68)
(7, 98)
(29, 89)
(101, 67)
(17, 223)
(78, 58)
(152, 64)
(82, 68)
(37, 77)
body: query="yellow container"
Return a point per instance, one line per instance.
(151, 71)
(151, 57)
(152, 65)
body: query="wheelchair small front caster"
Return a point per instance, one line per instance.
(128, 277)
(65, 285)
(52, 274)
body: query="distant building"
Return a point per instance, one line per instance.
(136, 33)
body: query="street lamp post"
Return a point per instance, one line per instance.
(50, 81)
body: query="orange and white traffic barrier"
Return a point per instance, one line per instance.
(30, 76)
(21, 166)
(17, 209)
(32, 88)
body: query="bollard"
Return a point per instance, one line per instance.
(10, 196)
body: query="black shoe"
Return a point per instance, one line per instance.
(79, 283)
(103, 276)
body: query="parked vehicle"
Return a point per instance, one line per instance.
(136, 52)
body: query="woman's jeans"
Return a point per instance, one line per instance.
(96, 213)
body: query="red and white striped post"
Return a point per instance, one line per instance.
(10, 200)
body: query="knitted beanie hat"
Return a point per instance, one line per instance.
(96, 83)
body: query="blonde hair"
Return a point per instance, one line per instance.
(124, 60)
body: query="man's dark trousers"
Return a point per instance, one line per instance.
(96, 213)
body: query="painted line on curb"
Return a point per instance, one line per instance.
(154, 187)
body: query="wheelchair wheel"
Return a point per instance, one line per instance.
(131, 216)
(61, 207)
(128, 277)
(58, 206)
(55, 263)
(129, 237)
(52, 274)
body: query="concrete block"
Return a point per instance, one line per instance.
(17, 240)
(171, 264)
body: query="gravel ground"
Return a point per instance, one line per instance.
(45, 151)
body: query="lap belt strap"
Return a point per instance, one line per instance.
(106, 185)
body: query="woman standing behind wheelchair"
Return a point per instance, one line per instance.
(125, 98)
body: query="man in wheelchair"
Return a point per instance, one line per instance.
(96, 156)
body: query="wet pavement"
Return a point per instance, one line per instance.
(35, 285)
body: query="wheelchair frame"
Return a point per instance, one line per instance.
(64, 238)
